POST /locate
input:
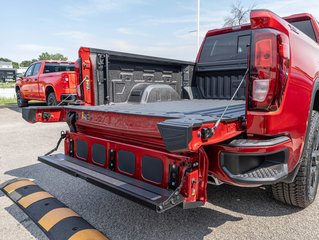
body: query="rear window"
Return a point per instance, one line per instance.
(306, 27)
(58, 67)
(229, 46)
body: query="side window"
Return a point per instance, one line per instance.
(29, 71)
(36, 69)
(306, 27)
(57, 67)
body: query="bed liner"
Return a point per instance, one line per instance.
(204, 109)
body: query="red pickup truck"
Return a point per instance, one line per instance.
(49, 81)
(248, 115)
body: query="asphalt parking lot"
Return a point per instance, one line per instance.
(230, 213)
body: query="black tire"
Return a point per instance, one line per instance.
(302, 192)
(51, 99)
(21, 101)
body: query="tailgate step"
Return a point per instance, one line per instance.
(133, 189)
(263, 174)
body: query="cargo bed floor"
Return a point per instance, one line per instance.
(175, 109)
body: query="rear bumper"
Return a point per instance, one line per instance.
(254, 162)
(68, 98)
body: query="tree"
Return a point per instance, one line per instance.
(45, 56)
(238, 14)
(15, 65)
(56, 56)
(5, 59)
(27, 63)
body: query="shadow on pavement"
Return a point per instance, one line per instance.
(248, 201)
(119, 218)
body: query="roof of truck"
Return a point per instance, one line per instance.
(299, 16)
(55, 61)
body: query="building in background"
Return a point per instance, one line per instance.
(7, 73)
(6, 64)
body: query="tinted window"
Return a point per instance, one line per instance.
(56, 67)
(306, 27)
(226, 47)
(29, 71)
(36, 69)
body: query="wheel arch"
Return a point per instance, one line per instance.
(314, 105)
(49, 89)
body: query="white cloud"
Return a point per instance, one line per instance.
(75, 35)
(79, 10)
(159, 49)
(31, 51)
(36, 48)
(125, 31)
(131, 32)
(289, 7)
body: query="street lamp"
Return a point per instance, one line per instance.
(198, 15)
(198, 19)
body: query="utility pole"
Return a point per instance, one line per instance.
(198, 18)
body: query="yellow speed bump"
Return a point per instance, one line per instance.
(55, 216)
(88, 234)
(15, 185)
(34, 197)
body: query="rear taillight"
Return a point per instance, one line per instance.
(269, 69)
(65, 80)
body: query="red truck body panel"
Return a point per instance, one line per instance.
(299, 91)
(302, 77)
(86, 69)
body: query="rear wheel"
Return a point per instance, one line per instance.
(302, 192)
(51, 99)
(20, 100)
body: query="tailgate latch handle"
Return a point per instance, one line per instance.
(207, 133)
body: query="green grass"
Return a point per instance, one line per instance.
(7, 85)
(8, 101)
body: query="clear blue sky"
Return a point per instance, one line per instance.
(152, 27)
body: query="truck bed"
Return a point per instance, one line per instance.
(196, 108)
